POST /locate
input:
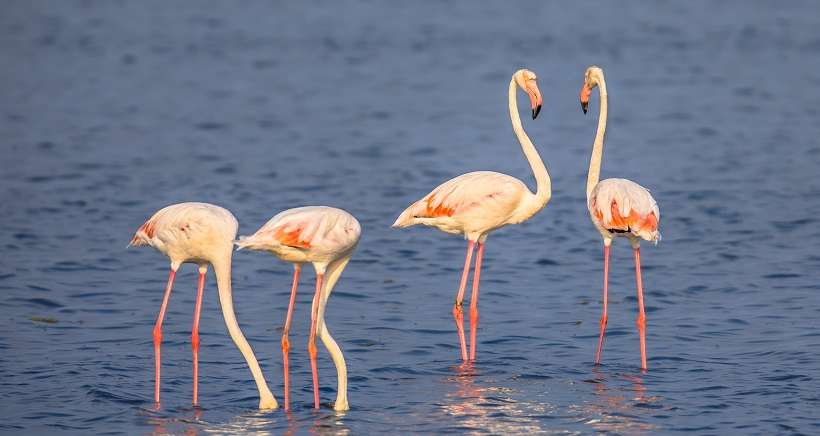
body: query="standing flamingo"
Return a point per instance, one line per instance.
(203, 234)
(618, 207)
(324, 236)
(474, 204)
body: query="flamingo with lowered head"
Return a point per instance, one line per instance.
(474, 204)
(618, 207)
(324, 236)
(203, 234)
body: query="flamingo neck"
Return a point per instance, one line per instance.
(598, 145)
(542, 177)
(334, 270)
(222, 270)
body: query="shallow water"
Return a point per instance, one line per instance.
(113, 110)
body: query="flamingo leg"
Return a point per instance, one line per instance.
(195, 331)
(641, 321)
(314, 317)
(285, 343)
(474, 300)
(458, 313)
(158, 331)
(603, 315)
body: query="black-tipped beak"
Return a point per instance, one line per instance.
(584, 106)
(536, 111)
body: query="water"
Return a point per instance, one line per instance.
(113, 110)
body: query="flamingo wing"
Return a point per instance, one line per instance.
(623, 206)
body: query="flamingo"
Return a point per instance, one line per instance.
(618, 207)
(326, 237)
(203, 234)
(476, 203)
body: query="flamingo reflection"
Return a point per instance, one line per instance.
(615, 408)
(491, 409)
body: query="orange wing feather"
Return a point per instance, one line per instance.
(291, 238)
(633, 221)
(146, 231)
(434, 210)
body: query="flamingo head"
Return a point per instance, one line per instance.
(591, 78)
(527, 80)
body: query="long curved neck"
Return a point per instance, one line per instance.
(542, 177)
(222, 270)
(598, 145)
(334, 270)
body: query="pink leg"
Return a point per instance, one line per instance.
(285, 343)
(314, 317)
(641, 321)
(603, 316)
(195, 332)
(458, 313)
(474, 300)
(158, 331)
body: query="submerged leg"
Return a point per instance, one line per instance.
(458, 313)
(285, 343)
(314, 318)
(474, 300)
(195, 330)
(603, 315)
(641, 321)
(158, 330)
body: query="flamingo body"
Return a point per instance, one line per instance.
(306, 234)
(621, 207)
(188, 232)
(326, 237)
(471, 204)
(203, 234)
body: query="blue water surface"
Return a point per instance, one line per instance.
(111, 110)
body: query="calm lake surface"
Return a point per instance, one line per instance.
(111, 110)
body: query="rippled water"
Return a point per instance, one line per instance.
(113, 110)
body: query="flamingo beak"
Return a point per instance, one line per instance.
(535, 99)
(585, 97)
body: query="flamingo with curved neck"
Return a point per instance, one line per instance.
(203, 234)
(476, 203)
(326, 237)
(618, 208)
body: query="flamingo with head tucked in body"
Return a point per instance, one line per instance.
(324, 236)
(475, 204)
(618, 207)
(203, 234)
